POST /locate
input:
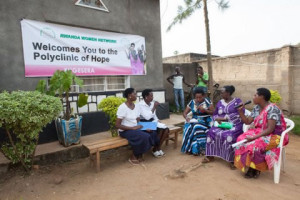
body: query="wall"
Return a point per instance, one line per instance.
(276, 69)
(295, 79)
(185, 58)
(140, 17)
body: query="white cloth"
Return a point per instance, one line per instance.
(177, 81)
(146, 113)
(127, 115)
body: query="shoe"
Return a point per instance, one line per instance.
(156, 154)
(161, 153)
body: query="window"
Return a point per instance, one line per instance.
(102, 83)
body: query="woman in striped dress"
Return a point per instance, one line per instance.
(195, 129)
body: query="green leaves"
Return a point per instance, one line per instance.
(190, 7)
(275, 96)
(110, 106)
(82, 100)
(23, 115)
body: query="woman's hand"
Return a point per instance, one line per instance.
(251, 126)
(202, 109)
(250, 138)
(187, 119)
(219, 119)
(137, 127)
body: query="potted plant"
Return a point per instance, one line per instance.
(68, 126)
(110, 106)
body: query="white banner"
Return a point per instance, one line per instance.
(48, 47)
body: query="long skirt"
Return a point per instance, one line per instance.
(219, 142)
(140, 141)
(260, 154)
(194, 138)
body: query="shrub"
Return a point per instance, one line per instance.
(275, 96)
(23, 115)
(110, 106)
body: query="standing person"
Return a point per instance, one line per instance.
(219, 140)
(128, 115)
(148, 114)
(202, 79)
(178, 79)
(260, 151)
(195, 129)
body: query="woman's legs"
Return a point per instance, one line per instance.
(163, 134)
(140, 142)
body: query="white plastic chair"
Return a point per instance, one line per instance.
(290, 125)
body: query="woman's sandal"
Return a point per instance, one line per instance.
(250, 173)
(133, 161)
(207, 160)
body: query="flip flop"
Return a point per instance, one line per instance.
(133, 162)
(207, 160)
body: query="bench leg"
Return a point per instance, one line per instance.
(175, 139)
(97, 161)
(167, 140)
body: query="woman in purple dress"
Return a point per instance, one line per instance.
(219, 140)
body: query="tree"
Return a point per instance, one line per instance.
(183, 13)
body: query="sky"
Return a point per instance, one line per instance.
(246, 26)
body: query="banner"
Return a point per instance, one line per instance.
(48, 47)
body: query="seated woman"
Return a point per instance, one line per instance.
(219, 140)
(128, 115)
(148, 113)
(260, 151)
(195, 129)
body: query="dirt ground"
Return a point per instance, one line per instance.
(155, 179)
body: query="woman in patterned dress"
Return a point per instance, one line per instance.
(219, 140)
(195, 129)
(260, 151)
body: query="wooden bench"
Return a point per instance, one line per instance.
(101, 145)
(110, 143)
(173, 135)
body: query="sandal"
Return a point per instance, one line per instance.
(207, 159)
(250, 173)
(133, 161)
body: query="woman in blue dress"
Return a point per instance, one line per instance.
(195, 129)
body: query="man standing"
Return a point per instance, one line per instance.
(202, 79)
(178, 79)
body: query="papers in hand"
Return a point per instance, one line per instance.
(193, 120)
(238, 143)
(148, 125)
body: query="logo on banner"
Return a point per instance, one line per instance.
(94, 4)
(47, 32)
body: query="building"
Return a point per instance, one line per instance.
(133, 17)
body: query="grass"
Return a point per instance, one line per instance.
(296, 120)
